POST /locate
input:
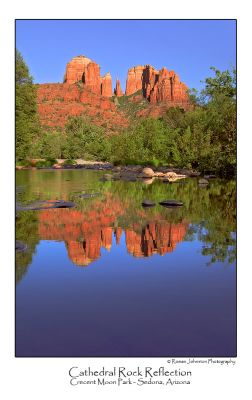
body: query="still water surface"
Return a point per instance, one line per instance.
(110, 278)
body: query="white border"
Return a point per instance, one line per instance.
(48, 378)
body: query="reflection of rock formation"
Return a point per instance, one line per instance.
(83, 233)
(157, 237)
(86, 233)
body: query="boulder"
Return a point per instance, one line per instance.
(171, 203)
(107, 177)
(148, 203)
(88, 195)
(45, 205)
(148, 172)
(63, 204)
(148, 181)
(203, 181)
(171, 174)
(159, 174)
(209, 176)
(20, 246)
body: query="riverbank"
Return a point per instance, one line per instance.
(106, 166)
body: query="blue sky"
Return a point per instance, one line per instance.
(189, 47)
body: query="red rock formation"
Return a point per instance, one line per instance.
(118, 90)
(106, 85)
(87, 71)
(91, 78)
(75, 69)
(57, 101)
(156, 86)
(85, 92)
(134, 80)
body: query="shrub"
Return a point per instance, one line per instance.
(69, 162)
(49, 162)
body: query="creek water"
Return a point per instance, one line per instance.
(109, 278)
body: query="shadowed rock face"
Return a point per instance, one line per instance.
(118, 90)
(86, 233)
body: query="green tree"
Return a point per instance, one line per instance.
(223, 83)
(84, 140)
(27, 122)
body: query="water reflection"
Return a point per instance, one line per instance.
(85, 234)
(144, 288)
(208, 215)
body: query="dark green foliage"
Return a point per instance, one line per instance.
(223, 83)
(69, 162)
(49, 162)
(84, 140)
(27, 232)
(27, 123)
(50, 145)
(150, 141)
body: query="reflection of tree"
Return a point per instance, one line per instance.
(211, 212)
(218, 230)
(27, 232)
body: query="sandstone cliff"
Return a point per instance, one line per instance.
(82, 69)
(156, 86)
(149, 92)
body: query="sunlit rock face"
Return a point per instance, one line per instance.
(75, 69)
(157, 86)
(84, 92)
(82, 69)
(57, 101)
(134, 80)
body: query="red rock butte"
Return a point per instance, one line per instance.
(156, 86)
(82, 69)
(85, 92)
